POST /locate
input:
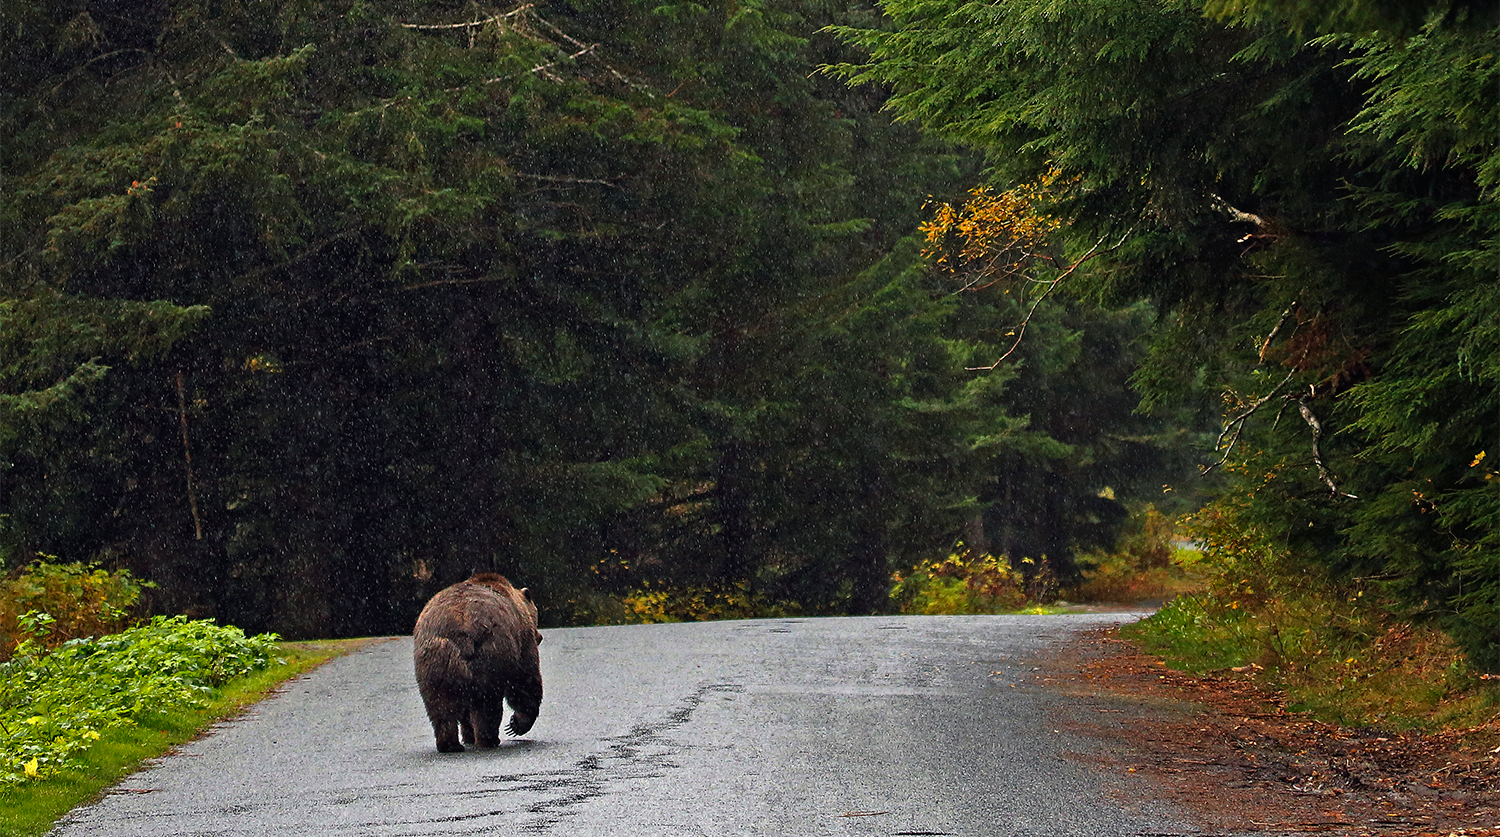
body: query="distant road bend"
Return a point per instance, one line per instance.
(856, 726)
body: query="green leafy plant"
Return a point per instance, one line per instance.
(30, 808)
(1331, 645)
(55, 704)
(1152, 562)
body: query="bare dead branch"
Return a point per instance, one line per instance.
(547, 178)
(85, 65)
(307, 252)
(1236, 425)
(1238, 214)
(577, 43)
(997, 268)
(499, 20)
(473, 23)
(473, 280)
(1020, 332)
(1265, 346)
(1317, 434)
(187, 458)
(550, 64)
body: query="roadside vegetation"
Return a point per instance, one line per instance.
(1330, 301)
(1341, 649)
(1151, 563)
(81, 708)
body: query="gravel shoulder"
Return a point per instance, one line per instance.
(1229, 752)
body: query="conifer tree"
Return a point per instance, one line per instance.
(1307, 192)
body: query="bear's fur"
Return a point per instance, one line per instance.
(474, 645)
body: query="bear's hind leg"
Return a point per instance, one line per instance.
(445, 718)
(445, 730)
(486, 727)
(466, 727)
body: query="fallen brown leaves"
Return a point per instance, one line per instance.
(1227, 750)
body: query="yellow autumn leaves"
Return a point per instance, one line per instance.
(994, 236)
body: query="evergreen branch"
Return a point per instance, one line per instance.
(1020, 331)
(306, 253)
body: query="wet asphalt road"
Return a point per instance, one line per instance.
(869, 726)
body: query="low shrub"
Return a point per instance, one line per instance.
(80, 600)
(960, 584)
(31, 808)
(1335, 647)
(653, 604)
(1152, 563)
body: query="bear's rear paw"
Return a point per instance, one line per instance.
(450, 747)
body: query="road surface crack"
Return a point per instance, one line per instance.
(646, 752)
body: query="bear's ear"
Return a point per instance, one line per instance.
(524, 594)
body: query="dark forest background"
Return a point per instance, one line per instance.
(308, 309)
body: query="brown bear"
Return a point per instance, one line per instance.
(475, 644)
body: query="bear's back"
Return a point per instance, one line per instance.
(479, 619)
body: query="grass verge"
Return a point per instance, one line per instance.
(31, 809)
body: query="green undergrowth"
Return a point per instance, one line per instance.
(78, 600)
(657, 603)
(31, 807)
(1331, 651)
(962, 583)
(55, 703)
(1338, 648)
(1153, 562)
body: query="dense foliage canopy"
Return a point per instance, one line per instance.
(1308, 192)
(308, 309)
